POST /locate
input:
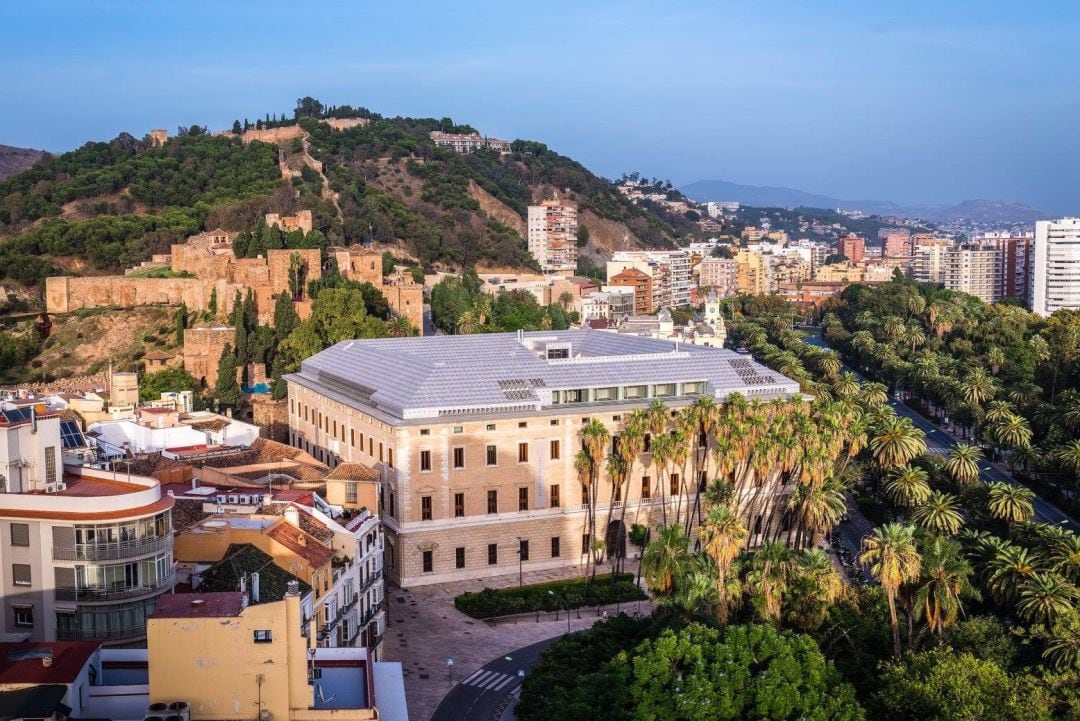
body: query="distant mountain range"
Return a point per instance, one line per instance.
(15, 160)
(979, 211)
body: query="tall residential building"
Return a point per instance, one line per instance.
(553, 236)
(474, 438)
(85, 553)
(670, 270)
(968, 269)
(895, 242)
(1016, 259)
(720, 274)
(851, 247)
(1055, 271)
(750, 273)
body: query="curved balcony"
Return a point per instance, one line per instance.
(109, 636)
(113, 551)
(115, 593)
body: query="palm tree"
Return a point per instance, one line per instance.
(946, 578)
(594, 439)
(1063, 643)
(705, 415)
(963, 463)
(1010, 503)
(814, 586)
(665, 559)
(908, 486)
(1064, 556)
(997, 410)
(1009, 569)
(977, 387)
(723, 536)
(995, 357)
(819, 507)
(893, 557)
(896, 441)
(940, 513)
(874, 395)
(847, 385)
(1044, 597)
(770, 569)
(830, 364)
(1068, 456)
(1011, 431)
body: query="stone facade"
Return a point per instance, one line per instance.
(301, 221)
(404, 296)
(202, 350)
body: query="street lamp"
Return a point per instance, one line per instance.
(565, 605)
(449, 672)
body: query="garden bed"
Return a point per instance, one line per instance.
(550, 596)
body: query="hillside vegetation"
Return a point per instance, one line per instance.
(113, 204)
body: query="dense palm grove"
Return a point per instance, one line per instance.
(969, 611)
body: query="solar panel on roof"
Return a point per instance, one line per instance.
(17, 414)
(71, 436)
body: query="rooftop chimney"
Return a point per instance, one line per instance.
(292, 588)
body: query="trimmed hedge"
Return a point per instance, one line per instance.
(575, 593)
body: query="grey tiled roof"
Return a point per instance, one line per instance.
(502, 372)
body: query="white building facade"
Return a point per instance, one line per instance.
(1055, 270)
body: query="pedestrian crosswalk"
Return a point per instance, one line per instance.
(488, 680)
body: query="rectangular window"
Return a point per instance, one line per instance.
(459, 457)
(20, 574)
(425, 461)
(428, 561)
(523, 452)
(459, 505)
(554, 421)
(693, 389)
(350, 492)
(459, 557)
(646, 488)
(390, 457)
(352, 437)
(20, 534)
(392, 508)
(647, 448)
(370, 446)
(263, 636)
(635, 392)
(425, 431)
(606, 394)
(523, 549)
(703, 482)
(493, 501)
(492, 456)
(425, 508)
(491, 426)
(554, 496)
(523, 499)
(458, 429)
(493, 554)
(50, 464)
(555, 547)
(673, 482)
(663, 390)
(380, 452)
(585, 495)
(554, 450)
(585, 545)
(335, 429)
(24, 615)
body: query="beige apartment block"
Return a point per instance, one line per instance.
(473, 439)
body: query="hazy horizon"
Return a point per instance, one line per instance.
(913, 103)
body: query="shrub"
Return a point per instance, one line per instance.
(552, 596)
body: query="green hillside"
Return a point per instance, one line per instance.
(109, 205)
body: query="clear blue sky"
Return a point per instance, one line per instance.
(908, 101)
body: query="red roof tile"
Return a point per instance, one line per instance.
(301, 543)
(23, 662)
(199, 605)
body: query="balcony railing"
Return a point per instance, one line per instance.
(371, 579)
(112, 551)
(111, 635)
(371, 613)
(116, 593)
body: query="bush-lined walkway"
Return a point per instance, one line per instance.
(424, 629)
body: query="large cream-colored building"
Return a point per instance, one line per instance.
(474, 437)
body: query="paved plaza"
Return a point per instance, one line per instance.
(424, 630)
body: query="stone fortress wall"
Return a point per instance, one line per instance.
(208, 257)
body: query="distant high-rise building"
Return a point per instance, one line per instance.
(720, 274)
(553, 236)
(670, 271)
(1016, 257)
(895, 242)
(1055, 267)
(852, 247)
(968, 269)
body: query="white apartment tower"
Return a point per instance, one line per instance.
(1055, 271)
(553, 236)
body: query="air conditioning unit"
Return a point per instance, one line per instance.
(265, 715)
(156, 712)
(181, 709)
(61, 486)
